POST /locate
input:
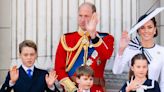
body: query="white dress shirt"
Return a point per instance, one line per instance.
(86, 90)
(26, 68)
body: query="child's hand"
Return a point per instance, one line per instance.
(132, 86)
(14, 74)
(51, 78)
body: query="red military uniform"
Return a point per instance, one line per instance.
(71, 54)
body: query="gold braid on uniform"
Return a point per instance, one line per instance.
(82, 43)
(69, 86)
(69, 49)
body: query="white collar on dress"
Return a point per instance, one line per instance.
(144, 87)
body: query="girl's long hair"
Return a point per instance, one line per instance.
(137, 57)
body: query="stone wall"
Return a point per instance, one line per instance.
(114, 82)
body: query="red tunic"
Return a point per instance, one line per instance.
(98, 64)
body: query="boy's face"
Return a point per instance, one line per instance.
(85, 82)
(28, 56)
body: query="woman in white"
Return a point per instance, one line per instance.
(143, 44)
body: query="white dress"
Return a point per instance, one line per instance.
(156, 66)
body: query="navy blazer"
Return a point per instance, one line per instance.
(26, 84)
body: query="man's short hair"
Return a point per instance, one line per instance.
(90, 4)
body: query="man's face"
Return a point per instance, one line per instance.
(85, 82)
(85, 14)
(28, 56)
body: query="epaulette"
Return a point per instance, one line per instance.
(64, 43)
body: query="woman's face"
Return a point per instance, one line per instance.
(147, 31)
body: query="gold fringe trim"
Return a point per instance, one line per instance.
(69, 86)
(68, 57)
(74, 58)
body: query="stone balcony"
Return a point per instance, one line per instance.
(114, 82)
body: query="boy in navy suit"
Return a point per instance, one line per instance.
(28, 78)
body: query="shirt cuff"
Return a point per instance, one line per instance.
(11, 84)
(52, 88)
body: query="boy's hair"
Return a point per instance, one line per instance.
(139, 56)
(27, 43)
(84, 71)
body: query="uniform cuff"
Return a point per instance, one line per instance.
(69, 86)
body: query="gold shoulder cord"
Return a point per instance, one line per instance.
(63, 42)
(70, 50)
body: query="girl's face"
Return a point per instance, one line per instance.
(140, 68)
(147, 31)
